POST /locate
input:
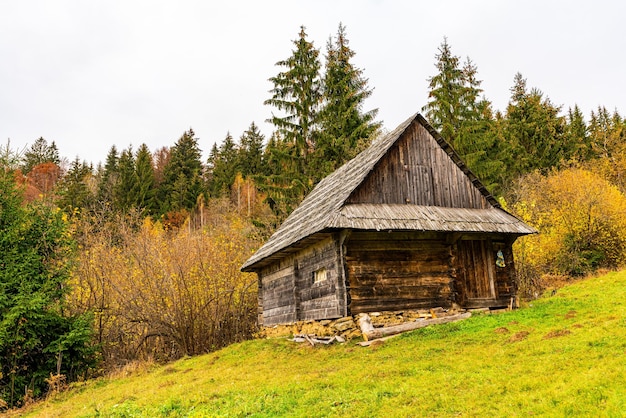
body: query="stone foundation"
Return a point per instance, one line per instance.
(347, 327)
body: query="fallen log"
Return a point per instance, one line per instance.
(370, 333)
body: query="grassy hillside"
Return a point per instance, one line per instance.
(563, 355)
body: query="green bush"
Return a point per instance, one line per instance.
(37, 339)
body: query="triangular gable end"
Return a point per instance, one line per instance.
(421, 168)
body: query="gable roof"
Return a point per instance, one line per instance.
(325, 206)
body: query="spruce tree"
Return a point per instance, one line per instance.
(284, 186)
(534, 131)
(224, 165)
(125, 192)
(345, 128)
(476, 138)
(214, 155)
(146, 183)
(607, 135)
(607, 132)
(75, 190)
(182, 175)
(464, 118)
(108, 178)
(577, 136)
(250, 152)
(444, 109)
(297, 93)
(38, 153)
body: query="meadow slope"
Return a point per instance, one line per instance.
(563, 355)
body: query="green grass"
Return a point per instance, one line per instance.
(563, 355)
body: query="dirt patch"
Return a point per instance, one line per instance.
(377, 343)
(170, 370)
(519, 336)
(570, 314)
(577, 326)
(557, 333)
(513, 323)
(501, 330)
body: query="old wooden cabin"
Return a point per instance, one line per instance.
(404, 225)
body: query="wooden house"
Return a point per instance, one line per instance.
(403, 225)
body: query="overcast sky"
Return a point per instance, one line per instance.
(92, 74)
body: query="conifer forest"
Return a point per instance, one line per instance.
(138, 256)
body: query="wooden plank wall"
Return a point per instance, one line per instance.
(318, 300)
(505, 276)
(385, 271)
(287, 292)
(277, 291)
(396, 271)
(474, 258)
(476, 269)
(417, 170)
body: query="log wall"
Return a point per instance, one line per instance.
(386, 271)
(318, 300)
(418, 171)
(396, 271)
(288, 291)
(277, 297)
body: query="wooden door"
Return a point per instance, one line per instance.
(476, 271)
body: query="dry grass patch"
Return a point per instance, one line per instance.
(519, 336)
(557, 333)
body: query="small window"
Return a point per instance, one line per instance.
(319, 275)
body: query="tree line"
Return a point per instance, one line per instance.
(138, 257)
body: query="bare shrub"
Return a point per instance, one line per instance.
(56, 383)
(163, 294)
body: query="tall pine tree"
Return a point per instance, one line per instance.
(182, 182)
(283, 184)
(108, 177)
(444, 109)
(40, 152)
(534, 131)
(146, 183)
(125, 192)
(456, 109)
(223, 163)
(578, 141)
(345, 128)
(297, 93)
(76, 193)
(250, 152)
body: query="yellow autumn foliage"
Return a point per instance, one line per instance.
(581, 219)
(162, 294)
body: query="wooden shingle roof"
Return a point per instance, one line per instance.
(325, 206)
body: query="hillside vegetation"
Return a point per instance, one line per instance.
(562, 355)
